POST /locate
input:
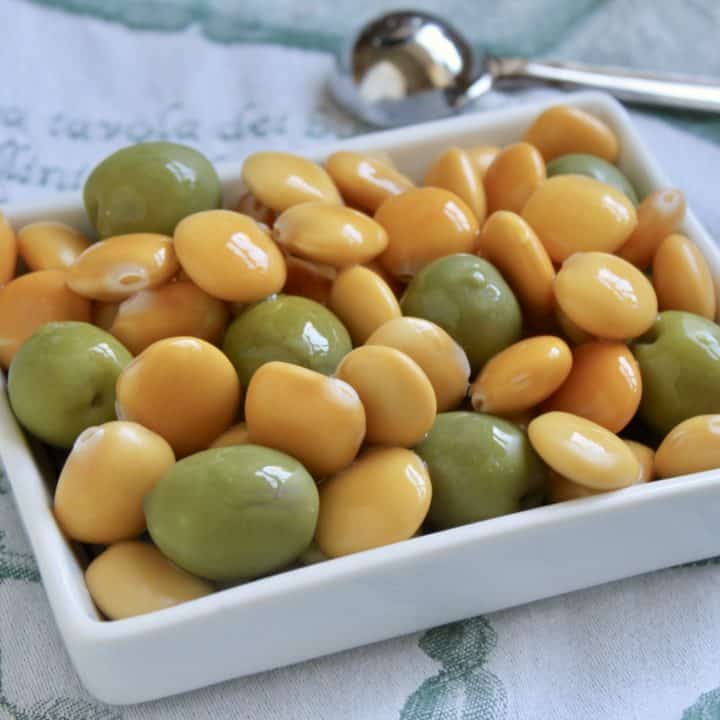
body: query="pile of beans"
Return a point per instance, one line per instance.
(347, 359)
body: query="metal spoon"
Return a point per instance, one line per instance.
(408, 67)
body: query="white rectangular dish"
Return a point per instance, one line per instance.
(374, 595)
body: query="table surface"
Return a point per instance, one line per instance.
(82, 78)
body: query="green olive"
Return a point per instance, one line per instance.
(594, 167)
(467, 297)
(480, 467)
(150, 187)
(288, 328)
(233, 513)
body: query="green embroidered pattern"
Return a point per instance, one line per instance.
(706, 707)
(463, 689)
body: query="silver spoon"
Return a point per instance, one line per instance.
(408, 67)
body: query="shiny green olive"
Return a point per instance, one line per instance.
(149, 187)
(288, 328)
(679, 360)
(233, 513)
(594, 167)
(480, 467)
(467, 297)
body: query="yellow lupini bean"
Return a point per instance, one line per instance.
(659, 215)
(510, 244)
(115, 268)
(454, 171)
(8, 251)
(605, 295)
(363, 301)
(329, 234)
(690, 447)
(31, 300)
(229, 256)
(365, 181)
(583, 451)
(574, 213)
(309, 279)
(50, 245)
(682, 278)
(521, 376)
(481, 156)
(100, 492)
(646, 457)
(604, 385)
(133, 578)
(398, 398)
(182, 388)
(513, 176)
(440, 357)
(382, 498)
(236, 435)
(179, 308)
(316, 419)
(575, 334)
(280, 180)
(562, 129)
(424, 224)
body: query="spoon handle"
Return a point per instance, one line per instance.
(637, 87)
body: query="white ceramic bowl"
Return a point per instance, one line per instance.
(426, 581)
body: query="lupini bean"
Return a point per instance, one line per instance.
(50, 245)
(690, 447)
(513, 176)
(382, 498)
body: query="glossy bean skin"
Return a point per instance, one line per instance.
(316, 419)
(30, 301)
(50, 245)
(329, 234)
(365, 182)
(287, 328)
(574, 213)
(182, 388)
(115, 268)
(467, 297)
(440, 357)
(8, 251)
(453, 170)
(604, 385)
(679, 359)
(308, 279)
(606, 295)
(481, 467)
(521, 376)
(576, 335)
(682, 278)
(646, 457)
(134, 578)
(149, 188)
(515, 173)
(110, 469)
(659, 215)
(382, 498)
(481, 156)
(398, 398)
(233, 513)
(235, 435)
(594, 167)
(175, 309)
(583, 451)
(363, 301)
(424, 224)
(229, 256)
(561, 129)
(690, 447)
(512, 246)
(280, 180)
